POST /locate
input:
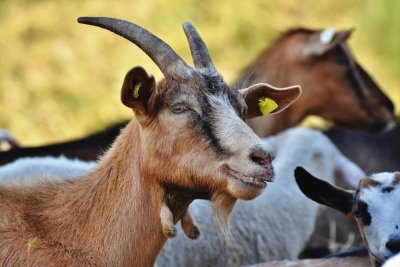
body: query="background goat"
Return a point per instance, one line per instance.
(330, 77)
(373, 152)
(374, 205)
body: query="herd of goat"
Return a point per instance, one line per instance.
(201, 152)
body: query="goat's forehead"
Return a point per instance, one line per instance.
(382, 186)
(203, 87)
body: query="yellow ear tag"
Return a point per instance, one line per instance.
(136, 90)
(267, 105)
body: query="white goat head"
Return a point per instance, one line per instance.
(374, 206)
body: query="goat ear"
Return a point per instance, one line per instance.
(323, 41)
(264, 99)
(323, 192)
(137, 90)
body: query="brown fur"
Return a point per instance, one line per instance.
(75, 223)
(97, 219)
(323, 75)
(367, 182)
(396, 178)
(188, 225)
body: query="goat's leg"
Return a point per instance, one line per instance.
(189, 226)
(167, 221)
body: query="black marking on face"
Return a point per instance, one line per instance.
(387, 189)
(213, 81)
(370, 83)
(206, 122)
(360, 211)
(205, 84)
(397, 227)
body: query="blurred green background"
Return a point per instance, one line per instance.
(60, 79)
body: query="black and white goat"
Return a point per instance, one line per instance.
(374, 205)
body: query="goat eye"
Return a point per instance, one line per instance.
(179, 108)
(357, 214)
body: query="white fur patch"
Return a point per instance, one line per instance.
(393, 262)
(327, 35)
(383, 207)
(32, 168)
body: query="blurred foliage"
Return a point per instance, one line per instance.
(60, 79)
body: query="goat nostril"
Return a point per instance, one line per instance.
(393, 245)
(260, 157)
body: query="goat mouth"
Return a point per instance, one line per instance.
(248, 180)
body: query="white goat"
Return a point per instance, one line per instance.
(374, 205)
(277, 224)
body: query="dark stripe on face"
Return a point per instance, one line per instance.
(351, 74)
(213, 82)
(370, 83)
(206, 121)
(361, 212)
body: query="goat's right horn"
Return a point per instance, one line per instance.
(160, 52)
(200, 54)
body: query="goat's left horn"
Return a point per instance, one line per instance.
(160, 52)
(200, 54)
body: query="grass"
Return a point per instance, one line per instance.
(60, 79)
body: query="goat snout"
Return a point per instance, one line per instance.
(261, 157)
(393, 245)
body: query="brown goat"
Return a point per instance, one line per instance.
(182, 145)
(335, 86)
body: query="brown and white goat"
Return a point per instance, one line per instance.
(329, 75)
(374, 206)
(181, 145)
(321, 62)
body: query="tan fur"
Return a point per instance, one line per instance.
(109, 217)
(188, 225)
(167, 221)
(86, 221)
(325, 85)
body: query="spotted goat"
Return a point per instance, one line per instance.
(374, 206)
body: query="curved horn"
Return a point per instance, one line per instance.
(160, 52)
(200, 54)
